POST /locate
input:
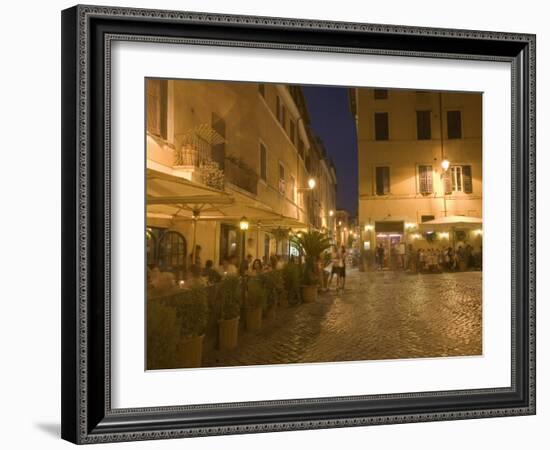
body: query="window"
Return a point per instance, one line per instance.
(426, 218)
(263, 162)
(278, 112)
(425, 179)
(218, 149)
(381, 126)
(281, 178)
(454, 125)
(292, 131)
(458, 179)
(283, 116)
(172, 250)
(423, 125)
(380, 94)
(382, 180)
(301, 148)
(261, 89)
(157, 93)
(292, 188)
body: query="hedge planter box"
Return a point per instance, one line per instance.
(309, 294)
(190, 352)
(228, 333)
(254, 319)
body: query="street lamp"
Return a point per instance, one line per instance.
(331, 213)
(243, 224)
(311, 183)
(445, 164)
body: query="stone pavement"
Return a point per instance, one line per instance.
(381, 315)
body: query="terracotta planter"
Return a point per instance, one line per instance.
(271, 313)
(254, 319)
(309, 294)
(283, 300)
(228, 333)
(190, 352)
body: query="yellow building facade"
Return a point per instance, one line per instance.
(218, 152)
(419, 159)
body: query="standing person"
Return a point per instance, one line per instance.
(245, 264)
(195, 257)
(334, 269)
(256, 268)
(380, 256)
(342, 265)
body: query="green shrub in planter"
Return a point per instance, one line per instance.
(273, 285)
(163, 334)
(191, 307)
(292, 281)
(257, 295)
(229, 295)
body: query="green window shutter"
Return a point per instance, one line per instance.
(382, 180)
(467, 179)
(447, 182)
(425, 179)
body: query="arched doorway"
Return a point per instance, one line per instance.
(172, 253)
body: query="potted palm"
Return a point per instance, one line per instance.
(229, 296)
(312, 245)
(256, 299)
(191, 306)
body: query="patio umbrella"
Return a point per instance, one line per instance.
(452, 224)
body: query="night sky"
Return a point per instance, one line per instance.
(333, 122)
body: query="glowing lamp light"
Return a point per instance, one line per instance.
(478, 232)
(444, 235)
(445, 164)
(331, 213)
(311, 183)
(410, 225)
(243, 224)
(369, 227)
(340, 223)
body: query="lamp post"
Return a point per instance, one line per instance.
(311, 184)
(445, 166)
(243, 225)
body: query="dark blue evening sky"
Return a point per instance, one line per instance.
(332, 121)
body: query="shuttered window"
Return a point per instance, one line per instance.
(282, 178)
(423, 125)
(425, 179)
(381, 126)
(380, 94)
(263, 162)
(467, 179)
(458, 179)
(157, 93)
(454, 125)
(382, 180)
(292, 131)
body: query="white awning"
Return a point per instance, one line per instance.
(451, 222)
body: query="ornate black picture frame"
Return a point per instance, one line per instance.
(87, 34)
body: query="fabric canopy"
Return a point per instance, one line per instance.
(451, 222)
(177, 198)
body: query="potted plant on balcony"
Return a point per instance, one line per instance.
(312, 245)
(256, 300)
(229, 296)
(191, 306)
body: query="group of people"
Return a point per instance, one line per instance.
(428, 260)
(338, 267)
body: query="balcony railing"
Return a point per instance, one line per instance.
(241, 175)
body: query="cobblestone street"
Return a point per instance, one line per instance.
(381, 315)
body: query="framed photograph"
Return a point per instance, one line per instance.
(281, 224)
